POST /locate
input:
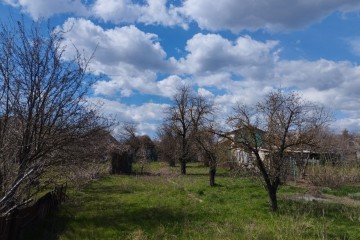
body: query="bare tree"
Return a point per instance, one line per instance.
(274, 129)
(184, 117)
(202, 114)
(44, 116)
(128, 130)
(208, 142)
(168, 145)
(128, 135)
(179, 118)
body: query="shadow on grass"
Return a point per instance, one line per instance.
(49, 228)
(195, 165)
(206, 174)
(123, 221)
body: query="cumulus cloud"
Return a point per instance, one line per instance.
(262, 14)
(45, 8)
(231, 15)
(212, 53)
(167, 87)
(354, 44)
(322, 75)
(157, 12)
(205, 93)
(151, 12)
(333, 84)
(127, 45)
(129, 57)
(247, 69)
(243, 70)
(147, 116)
(240, 70)
(115, 11)
(347, 123)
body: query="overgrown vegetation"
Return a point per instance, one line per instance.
(171, 206)
(333, 176)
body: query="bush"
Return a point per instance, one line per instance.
(333, 176)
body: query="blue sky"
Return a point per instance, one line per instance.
(230, 51)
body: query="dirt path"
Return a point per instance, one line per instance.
(342, 200)
(325, 198)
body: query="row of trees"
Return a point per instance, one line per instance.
(281, 124)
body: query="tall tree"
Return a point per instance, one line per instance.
(203, 122)
(278, 126)
(179, 118)
(44, 116)
(184, 117)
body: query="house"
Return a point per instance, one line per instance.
(242, 156)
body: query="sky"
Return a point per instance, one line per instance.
(231, 51)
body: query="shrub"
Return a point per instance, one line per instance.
(333, 176)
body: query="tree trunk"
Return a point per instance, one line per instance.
(184, 155)
(172, 162)
(212, 174)
(206, 162)
(183, 166)
(273, 198)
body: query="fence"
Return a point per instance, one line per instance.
(12, 224)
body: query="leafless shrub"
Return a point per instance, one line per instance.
(333, 176)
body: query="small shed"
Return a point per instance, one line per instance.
(121, 161)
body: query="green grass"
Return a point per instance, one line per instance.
(342, 191)
(185, 207)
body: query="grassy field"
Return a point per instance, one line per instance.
(168, 206)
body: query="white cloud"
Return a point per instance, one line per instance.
(129, 57)
(354, 44)
(147, 116)
(243, 70)
(156, 12)
(264, 14)
(347, 123)
(115, 11)
(321, 74)
(209, 14)
(45, 8)
(212, 53)
(247, 69)
(126, 11)
(126, 45)
(205, 93)
(332, 83)
(167, 87)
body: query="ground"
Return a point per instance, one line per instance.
(165, 205)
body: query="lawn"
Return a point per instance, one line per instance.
(169, 206)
